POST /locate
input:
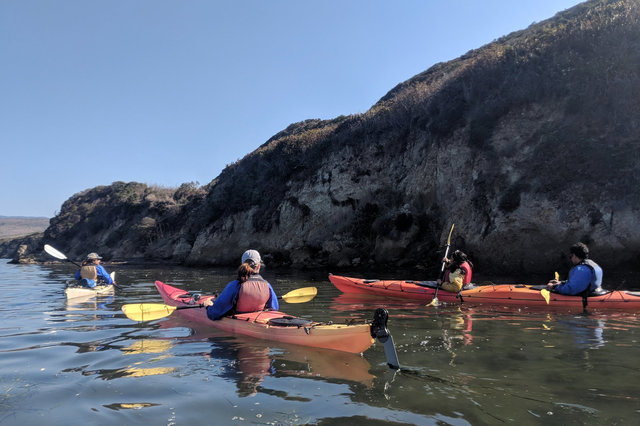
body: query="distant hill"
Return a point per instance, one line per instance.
(17, 226)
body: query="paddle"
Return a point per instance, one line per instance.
(154, 311)
(545, 293)
(59, 255)
(434, 301)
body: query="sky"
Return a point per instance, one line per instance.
(166, 92)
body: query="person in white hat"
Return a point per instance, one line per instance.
(91, 272)
(248, 293)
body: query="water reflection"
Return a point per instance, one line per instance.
(587, 331)
(249, 361)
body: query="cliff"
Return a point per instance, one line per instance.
(527, 144)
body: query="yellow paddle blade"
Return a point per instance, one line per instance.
(300, 295)
(147, 311)
(434, 302)
(556, 276)
(545, 294)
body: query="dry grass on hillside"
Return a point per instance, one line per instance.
(11, 227)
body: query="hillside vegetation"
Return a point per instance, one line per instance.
(14, 226)
(527, 144)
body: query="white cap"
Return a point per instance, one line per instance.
(253, 257)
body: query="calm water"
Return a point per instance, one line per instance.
(64, 363)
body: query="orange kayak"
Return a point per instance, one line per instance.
(422, 291)
(273, 325)
(498, 294)
(520, 294)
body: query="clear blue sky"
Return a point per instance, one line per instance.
(166, 92)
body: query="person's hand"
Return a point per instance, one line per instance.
(208, 302)
(439, 281)
(552, 283)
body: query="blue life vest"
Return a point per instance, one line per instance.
(596, 275)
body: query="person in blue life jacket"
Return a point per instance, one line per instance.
(248, 293)
(585, 277)
(92, 273)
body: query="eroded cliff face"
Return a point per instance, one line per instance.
(517, 204)
(527, 145)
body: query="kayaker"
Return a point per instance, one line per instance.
(92, 273)
(457, 273)
(248, 293)
(584, 278)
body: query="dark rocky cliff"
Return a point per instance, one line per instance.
(527, 144)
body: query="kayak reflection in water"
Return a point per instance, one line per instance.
(248, 293)
(92, 273)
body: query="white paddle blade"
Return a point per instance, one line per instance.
(53, 252)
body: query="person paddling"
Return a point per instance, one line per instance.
(92, 273)
(248, 293)
(457, 273)
(585, 277)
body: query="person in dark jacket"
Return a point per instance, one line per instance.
(584, 278)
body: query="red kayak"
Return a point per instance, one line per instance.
(499, 294)
(519, 294)
(422, 291)
(278, 326)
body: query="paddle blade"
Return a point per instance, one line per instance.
(450, 232)
(300, 295)
(147, 311)
(556, 276)
(545, 294)
(434, 302)
(53, 252)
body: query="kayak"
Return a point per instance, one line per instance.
(254, 357)
(496, 294)
(74, 292)
(528, 295)
(86, 292)
(422, 291)
(272, 325)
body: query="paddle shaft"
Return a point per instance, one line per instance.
(444, 263)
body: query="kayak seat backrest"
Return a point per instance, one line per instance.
(290, 322)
